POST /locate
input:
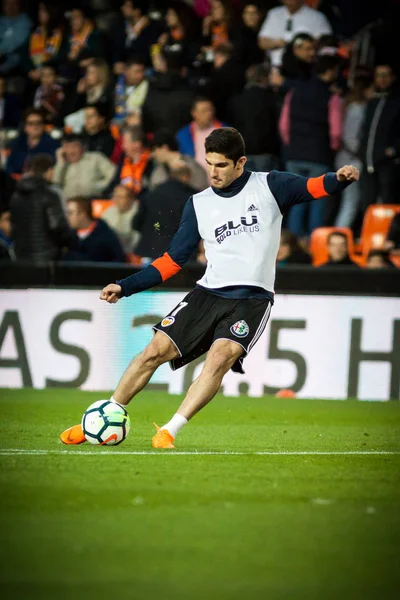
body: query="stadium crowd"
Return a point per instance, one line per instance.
(105, 107)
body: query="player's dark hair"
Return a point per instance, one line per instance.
(227, 141)
(164, 137)
(84, 204)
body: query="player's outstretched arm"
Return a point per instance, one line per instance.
(290, 189)
(182, 246)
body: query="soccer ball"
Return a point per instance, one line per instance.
(105, 423)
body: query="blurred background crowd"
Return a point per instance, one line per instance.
(105, 107)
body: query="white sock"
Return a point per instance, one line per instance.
(175, 424)
(112, 399)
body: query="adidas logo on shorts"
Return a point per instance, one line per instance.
(251, 208)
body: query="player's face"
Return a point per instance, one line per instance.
(221, 170)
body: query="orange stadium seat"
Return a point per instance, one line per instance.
(319, 239)
(99, 206)
(376, 225)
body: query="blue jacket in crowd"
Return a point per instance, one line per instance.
(21, 153)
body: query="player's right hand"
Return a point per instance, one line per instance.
(111, 293)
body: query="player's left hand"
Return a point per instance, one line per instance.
(348, 173)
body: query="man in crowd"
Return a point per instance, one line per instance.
(226, 79)
(40, 229)
(254, 113)
(6, 245)
(131, 89)
(97, 136)
(15, 26)
(31, 142)
(311, 127)
(79, 172)
(135, 165)
(392, 242)
(380, 140)
(160, 211)
(120, 216)
(284, 22)
(378, 259)
(166, 153)
(94, 240)
(338, 251)
(290, 251)
(191, 138)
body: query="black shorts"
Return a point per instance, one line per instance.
(202, 318)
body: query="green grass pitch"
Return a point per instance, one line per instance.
(88, 522)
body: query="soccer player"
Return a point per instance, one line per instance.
(239, 219)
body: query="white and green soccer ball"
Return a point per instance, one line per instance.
(105, 423)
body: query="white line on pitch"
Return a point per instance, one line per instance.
(21, 451)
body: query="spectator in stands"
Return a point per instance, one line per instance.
(93, 88)
(95, 240)
(160, 211)
(97, 136)
(135, 166)
(380, 140)
(83, 43)
(290, 252)
(40, 229)
(355, 104)
(392, 242)
(131, 89)
(311, 132)
(166, 153)
(378, 259)
(284, 22)
(254, 113)
(134, 35)
(245, 38)
(217, 25)
(338, 251)
(168, 102)
(226, 79)
(49, 95)
(32, 141)
(10, 114)
(79, 172)
(120, 216)
(46, 44)
(7, 186)
(15, 26)
(191, 138)
(182, 32)
(6, 244)
(298, 58)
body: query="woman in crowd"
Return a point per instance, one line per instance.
(182, 31)
(46, 44)
(355, 105)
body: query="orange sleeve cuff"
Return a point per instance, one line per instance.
(166, 266)
(315, 186)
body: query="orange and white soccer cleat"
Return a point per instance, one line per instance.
(162, 439)
(73, 435)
